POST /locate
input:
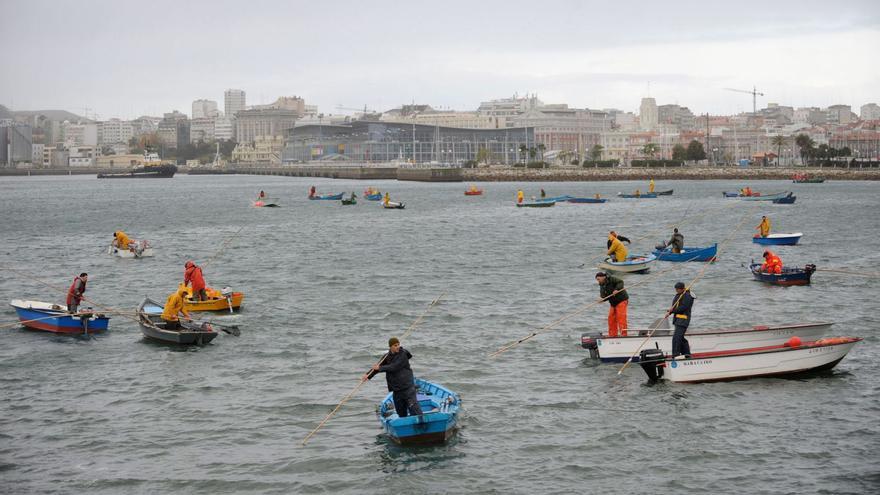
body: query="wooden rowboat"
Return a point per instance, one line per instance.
(634, 264)
(789, 275)
(333, 197)
(153, 327)
(48, 317)
(665, 193)
(688, 254)
(778, 239)
(535, 204)
(391, 205)
(638, 196)
(437, 424)
(218, 300)
(586, 200)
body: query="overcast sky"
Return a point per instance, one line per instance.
(128, 58)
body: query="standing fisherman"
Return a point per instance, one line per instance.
(75, 292)
(764, 227)
(682, 304)
(676, 241)
(192, 273)
(520, 196)
(619, 300)
(651, 186)
(399, 377)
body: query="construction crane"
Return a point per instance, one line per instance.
(754, 92)
(365, 110)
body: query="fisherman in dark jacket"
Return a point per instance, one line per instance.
(676, 241)
(399, 376)
(681, 311)
(619, 299)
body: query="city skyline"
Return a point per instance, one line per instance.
(118, 63)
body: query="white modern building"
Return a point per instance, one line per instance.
(224, 128)
(201, 129)
(870, 111)
(234, 102)
(79, 134)
(202, 109)
(648, 114)
(114, 131)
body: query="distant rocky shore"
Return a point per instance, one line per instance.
(510, 174)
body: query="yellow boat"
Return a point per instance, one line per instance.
(218, 300)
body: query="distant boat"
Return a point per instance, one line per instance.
(437, 423)
(153, 327)
(687, 254)
(54, 318)
(786, 200)
(153, 169)
(637, 196)
(791, 358)
(665, 193)
(778, 239)
(332, 197)
(535, 204)
(391, 205)
(768, 197)
(789, 275)
(265, 202)
(373, 197)
(136, 249)
(554, 199)
(586, 200)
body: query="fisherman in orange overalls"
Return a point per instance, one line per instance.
(772, 263)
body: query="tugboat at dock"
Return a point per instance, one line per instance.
(153, 169)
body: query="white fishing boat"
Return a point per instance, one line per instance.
(639, 263)
(792, 358)
(136, 249)
(619, 349)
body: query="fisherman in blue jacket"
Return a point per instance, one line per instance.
(681, 311)
(400, 380)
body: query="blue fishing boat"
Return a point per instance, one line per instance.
(54, 318)
(638, 196)
(786, 200)
(438, 423)
(334, 197)
(554, 199)
(633, 264)
(688, 254)
(373, 197)
(535, 204)
(768, 197)
(778, 239)
(665, 193)
(586, 200)
(728, 194)
(789, 276)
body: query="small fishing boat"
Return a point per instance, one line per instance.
(154, 168)
(554, 199)
(637, 196)
(768, 197)
(351, 200)
(586, 200)
(218, 300)
(634, 264)
(54, 318)
(665, 193)
(473, 191)
(789, 275)
(332, 197)
(136, 249)
(792, 358)
(266, 203)
(373, 197)
(153, 327)
(728, 194)
(391, 205)
(786, 200)
(535, 204)
(687, 254)
(778, 239)
(437, 424)
(609, 349)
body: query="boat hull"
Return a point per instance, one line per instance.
(778, 239)
(128, 253)
(474, 193)
(157, 172)
(536, 204)
(585, 200)
(637, 196)
(785, 201)
(325, 197)
(769, 197)
(688, 254)
(665, 193)
(438, 424)
(42, 316)
(151, 325)
(620, 349)
(391, 205)
(266, 203)
(761, 362)
(373, 197)
(788, 277)
(633, 264)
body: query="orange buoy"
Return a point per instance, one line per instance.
(795, 341)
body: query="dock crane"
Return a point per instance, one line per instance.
(365, 110)
(755, 93)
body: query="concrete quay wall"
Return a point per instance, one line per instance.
(510, 174)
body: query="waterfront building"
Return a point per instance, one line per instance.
(648, 114)
(809, 115)
(560, 128)
(16, 143)
(234, 102)
(37, 154)
(864, 143)
(505, 109)
(224, 128)
(264, 150)
(202, 109)
(466, 120)
(201, 129)
(377, 141)
(144, 125)
(174, 130)
(681, 118)
(82, 156)
(869, 111)
(261, 122)
(292, 103)
(839, 114)
(114, 131)
(79, 133)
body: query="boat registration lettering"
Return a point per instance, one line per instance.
(696, 362)
(817, 350)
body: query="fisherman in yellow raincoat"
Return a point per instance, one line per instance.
(387, 199)
(120, 240)
(651, 186)
(520, 196)
(617, 249)
(764, 227)
(173, 306)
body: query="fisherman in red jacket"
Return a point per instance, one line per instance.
(75, 292)
(193, 274)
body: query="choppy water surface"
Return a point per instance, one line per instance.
(327, 285)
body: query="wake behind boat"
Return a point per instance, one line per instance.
(438, 423)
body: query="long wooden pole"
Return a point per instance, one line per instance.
(687, 288)
(364, 377)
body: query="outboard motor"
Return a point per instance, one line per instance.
(590, 341)
(810, 268)
(650, 360)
